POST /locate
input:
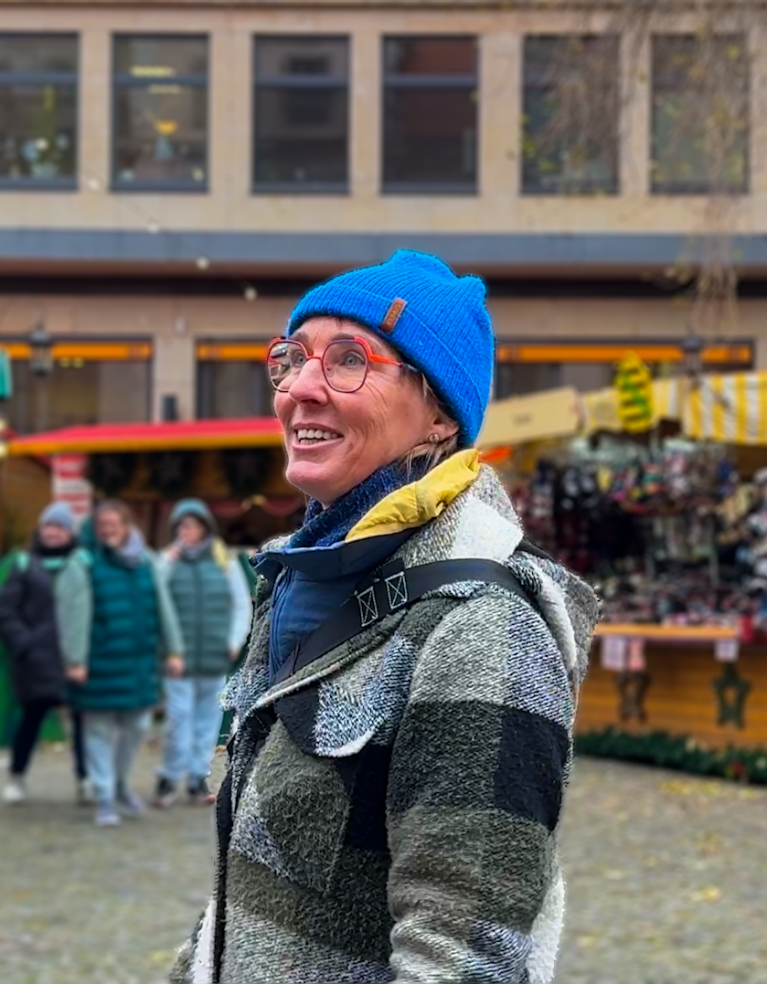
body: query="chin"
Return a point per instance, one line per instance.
(315, 481)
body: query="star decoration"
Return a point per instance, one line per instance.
(731, 692)
(632, 686)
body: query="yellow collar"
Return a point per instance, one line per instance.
(415, 504)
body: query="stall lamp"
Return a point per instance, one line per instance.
(40, 351)
(692, 355)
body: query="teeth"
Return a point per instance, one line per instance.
(306, 434)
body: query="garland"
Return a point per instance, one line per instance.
(676, 752)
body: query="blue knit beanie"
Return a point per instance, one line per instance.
(58, 514)
(437, 321)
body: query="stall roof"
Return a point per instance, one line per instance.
(252, 432)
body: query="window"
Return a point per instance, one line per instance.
(160, 113)
(233, 389)
(78, 392)
(430, 114)
(699, 115)
(38, 110)
(571, 114)
(301, 114)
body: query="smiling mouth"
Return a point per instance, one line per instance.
(313, 435)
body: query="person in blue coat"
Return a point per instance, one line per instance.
(213, 604)
(121, 624)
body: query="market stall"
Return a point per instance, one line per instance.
(236, 466)
(670, 525)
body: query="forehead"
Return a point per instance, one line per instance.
(318, 332)
(109, 516)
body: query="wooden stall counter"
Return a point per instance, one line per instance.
(698, 682)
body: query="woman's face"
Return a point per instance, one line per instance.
(111, 529)
(378, 424)
(191, 531)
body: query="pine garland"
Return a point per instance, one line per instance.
(687, 754)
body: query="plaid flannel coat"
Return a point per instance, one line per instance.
(398, 803)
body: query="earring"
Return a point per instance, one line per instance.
(433, 438)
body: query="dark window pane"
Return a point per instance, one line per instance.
(161, 134)
(301, 109)
(287, 57)
(430, 137)
(430, 56)
(571, 114)
(430, 114)
(301, 136)
(38, 53)
(234, 389)
(37, 131)
(89, 393)
(161, 57)
(700, 116)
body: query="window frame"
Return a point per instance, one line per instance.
(437, 81)
(534, 81)
(121, 81)
(297, 82)
(681, 189)
(71, 79)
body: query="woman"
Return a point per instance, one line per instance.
(395, 777)
(121, 620)
(213, 605)
(30, 631)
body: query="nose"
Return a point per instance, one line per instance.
(310, 385)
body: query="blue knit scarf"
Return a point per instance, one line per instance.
(324, 527)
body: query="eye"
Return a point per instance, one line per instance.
(352, 358)
(296, 356)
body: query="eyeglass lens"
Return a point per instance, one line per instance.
(344, 363)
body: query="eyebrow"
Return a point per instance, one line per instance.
(300, 336)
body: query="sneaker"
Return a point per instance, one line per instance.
(106, 816)
(130, 805)
(201, 794)
(165, 794)
(84, 792)
(14, 792)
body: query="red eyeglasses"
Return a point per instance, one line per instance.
(345, 363)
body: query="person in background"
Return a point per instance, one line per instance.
(121, 621)
(30, 631)
(213, 605)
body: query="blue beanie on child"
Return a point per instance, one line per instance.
(437, 321)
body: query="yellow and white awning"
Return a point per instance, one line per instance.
(729, 408)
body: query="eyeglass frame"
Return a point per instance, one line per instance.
(370, 355)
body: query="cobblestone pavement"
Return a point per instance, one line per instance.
(667, 882)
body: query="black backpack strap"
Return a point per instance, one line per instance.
(391, 588)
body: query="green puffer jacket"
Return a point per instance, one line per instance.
(118, 620)
(394, 806)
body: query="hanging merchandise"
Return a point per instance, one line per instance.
(633, 381)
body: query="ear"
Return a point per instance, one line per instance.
(442, 426)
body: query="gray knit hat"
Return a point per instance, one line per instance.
(58, 514)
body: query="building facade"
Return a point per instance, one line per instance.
(174, 174)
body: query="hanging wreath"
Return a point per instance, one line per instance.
(244, 469)
(170, 472)
(110, 474)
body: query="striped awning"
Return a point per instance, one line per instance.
(728, 408)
